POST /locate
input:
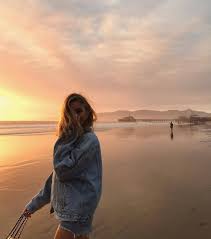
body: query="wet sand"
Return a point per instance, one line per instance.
(154, 185)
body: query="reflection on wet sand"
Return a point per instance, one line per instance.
(151, 184)
(172, 135)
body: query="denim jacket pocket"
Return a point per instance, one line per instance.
(72, 198)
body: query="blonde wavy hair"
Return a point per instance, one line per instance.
(65, 127)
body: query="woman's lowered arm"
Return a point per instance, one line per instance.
(42, 197)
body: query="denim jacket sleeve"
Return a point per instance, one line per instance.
(42, 197)
(72, 161)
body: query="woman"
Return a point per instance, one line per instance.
(74, 186)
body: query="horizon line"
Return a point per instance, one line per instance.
(56, 120)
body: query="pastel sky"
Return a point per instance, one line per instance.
(120, 54)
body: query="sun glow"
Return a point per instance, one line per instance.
(12, 106)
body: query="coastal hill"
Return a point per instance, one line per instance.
(148, 114)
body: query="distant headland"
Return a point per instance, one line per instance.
(151, 115)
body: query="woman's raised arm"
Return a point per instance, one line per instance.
(72, 161)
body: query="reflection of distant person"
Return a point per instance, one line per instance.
(172, 135)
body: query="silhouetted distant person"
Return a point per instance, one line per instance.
(171, 126)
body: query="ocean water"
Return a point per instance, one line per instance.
(23, 128)
(155, 184)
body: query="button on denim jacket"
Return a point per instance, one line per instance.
(75, 185)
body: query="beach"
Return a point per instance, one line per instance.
(155, 184)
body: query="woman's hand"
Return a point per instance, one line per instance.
(76, 119)
(27, 213)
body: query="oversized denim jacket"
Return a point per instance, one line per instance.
(75, 185)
